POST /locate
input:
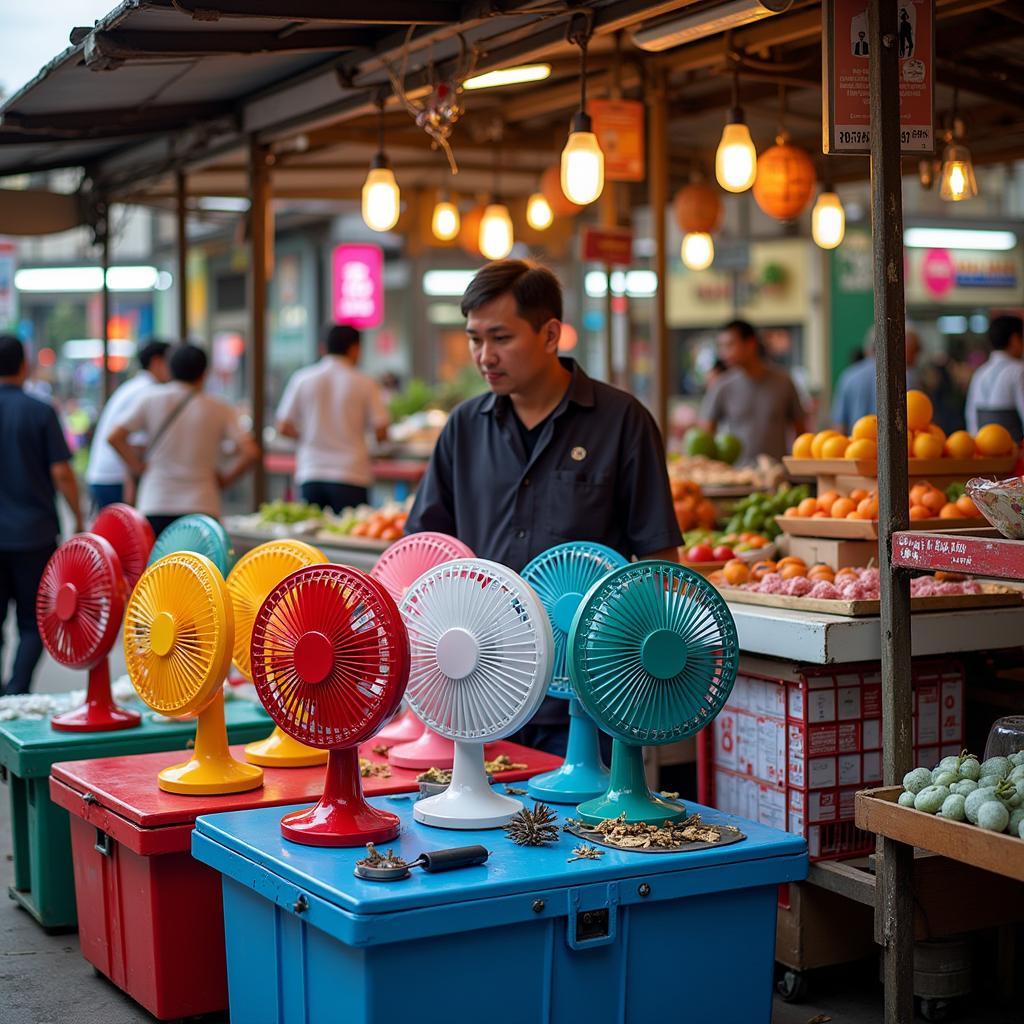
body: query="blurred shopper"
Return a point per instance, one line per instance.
(996, 392)
(106, 472)
(329, 408)
(754, 399)
(855, 394)
(186, 430)
(35, 463)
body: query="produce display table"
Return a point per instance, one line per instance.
(307, 941)
(43, 879)
(149, 915)
(358, 552)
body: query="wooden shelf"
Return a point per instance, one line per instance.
(980, 552)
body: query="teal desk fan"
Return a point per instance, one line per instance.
(199, 533)
(652, 655)
(560, 577)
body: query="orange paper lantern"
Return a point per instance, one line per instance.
(551, 186)
(697, 207)
(469, 230)
(785, 181)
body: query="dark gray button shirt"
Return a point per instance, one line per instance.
(597, 473)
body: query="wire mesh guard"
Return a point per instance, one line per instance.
(330, 661)
(199, 533)
(130, 535)
(481, 661)
(653, 654)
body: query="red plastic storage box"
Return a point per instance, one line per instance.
(149, 916)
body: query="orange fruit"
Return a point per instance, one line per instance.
(968, 510)
(949, 511)
(959, 445)
(757, 541)
(919, 512)
(790, 560)
(807, 507)
(821, 574)
(819, 439)
(936, 431)
(868, 508)
(847, 573)
(790, 572)
(934, 500)
(802, 446)
(761, 569)
(791, 512)
(927, 446)
(862, 448)
(858, 495)
(820, 515)
(994, 440)
(717, 579)
(919, 410)
(826, 500)
(842, 507)
(835, 447)
(865, 429)
(736, 572)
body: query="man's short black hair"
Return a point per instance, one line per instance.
(1002, 329)
(188, 363)
(153, 349)
(743, 328)
(341, 339)
(535, 288)
(12, 355)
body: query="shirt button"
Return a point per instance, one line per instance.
(526, 482)
(521, 534)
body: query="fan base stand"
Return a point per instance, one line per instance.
(99, 713)
(469, 802)
(279, 750)
(583, 775)
(628, 793)
(404, 729)
(429, 751)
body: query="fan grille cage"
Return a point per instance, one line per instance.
(512, 635)
(130, 535)
(606, 653)
(408, 558)
(369, 665)
(199, 533)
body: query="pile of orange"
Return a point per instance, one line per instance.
(692, 509)
(928, 502)
(737, 572)
(381, 526)
(857, 504)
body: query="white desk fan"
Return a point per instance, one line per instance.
(413, 744)
(561, 576)
(653, 655)
(482, 652)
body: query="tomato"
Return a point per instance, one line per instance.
(701, 553)
(723, 553)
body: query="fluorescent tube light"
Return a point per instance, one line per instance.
(981, 239)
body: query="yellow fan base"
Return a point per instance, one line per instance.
(253, 577)
(178, 629)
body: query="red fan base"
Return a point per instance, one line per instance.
(342, 817)
(405, 728)
(99, 713)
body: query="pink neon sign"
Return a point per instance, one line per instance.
(357, 285)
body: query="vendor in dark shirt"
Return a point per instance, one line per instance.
(548, 455)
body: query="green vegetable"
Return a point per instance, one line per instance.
(1016, 773)
(990, 781)
(964, 787)
(1020, 830)
(993, 816)
(931, 798)
(288, 512)
(916, 780)
(953, 807)
(975, 800)
(1016, 817)
(1017, 759)
(955, 490)
(996, 766)
(944, 778)
(970, 769)
(950, 763)
(906, 799)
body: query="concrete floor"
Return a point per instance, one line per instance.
(45, 980)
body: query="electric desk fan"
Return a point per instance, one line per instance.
(330, 662)
(251, 579)
(130, 535)
(178, 631)
(79, 606)
(400, 566)
(199, 533)
(652, 655)
(481, 662)
(561, 576)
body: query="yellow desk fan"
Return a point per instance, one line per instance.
(178, 633)
(250, 582)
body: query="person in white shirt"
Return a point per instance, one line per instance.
(329, 408)
(105, 474)
(996, 392)
(187, 431)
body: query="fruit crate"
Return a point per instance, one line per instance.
(794, 744)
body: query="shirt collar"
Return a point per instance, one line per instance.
(580, 390)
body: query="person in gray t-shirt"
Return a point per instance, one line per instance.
(754, 400)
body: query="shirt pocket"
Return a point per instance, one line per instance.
(581, 506)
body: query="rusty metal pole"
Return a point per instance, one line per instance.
(259, 194)
(180, 195)
(657, 176)
(896, 904)
(105, 298)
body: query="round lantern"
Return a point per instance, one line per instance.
(469, 230)
(785, 180)
(697, 207)
(551, 186)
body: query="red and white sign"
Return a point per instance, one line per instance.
(846, 56)
(613, 246)
(357, 285)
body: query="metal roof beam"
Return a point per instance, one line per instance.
(379, 12)
(123, 121)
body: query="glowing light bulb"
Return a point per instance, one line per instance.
(582, 164)
(828, 220)
(445, 221)
(538, 212)
(958, 181)
(736, 158)
(698, 250)
(381, 198)
(496, 236)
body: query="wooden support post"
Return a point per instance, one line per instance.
(657, 176)
(105, 298)
(180, 195)
(259, 222)
(896, 868)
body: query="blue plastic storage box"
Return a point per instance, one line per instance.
(526, 938)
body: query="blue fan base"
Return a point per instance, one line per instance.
(628, 793)
(583, 775)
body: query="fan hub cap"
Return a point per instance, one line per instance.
(67, 602)
(663, 654)
(314, 657)
(564, 610)
(162, 633)
(458, 653)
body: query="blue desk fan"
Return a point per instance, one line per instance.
(652, 655)
(560, 577)
(198, 533)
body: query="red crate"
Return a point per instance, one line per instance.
(795, 743)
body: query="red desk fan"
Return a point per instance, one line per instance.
(414, 745)
(131, 537)
(330, 661)
(79, 607)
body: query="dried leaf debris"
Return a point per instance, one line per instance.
(371, 770)
(638, 835)
(375, 859)
(585, 852)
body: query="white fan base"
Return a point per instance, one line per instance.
(468, 802)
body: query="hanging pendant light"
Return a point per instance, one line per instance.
(957, 181)
(582, 159)
(381, 197)
(445, 220)
(698, 250)
(539, 214)
(496, 234)
(828, 219)
(736, 157)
